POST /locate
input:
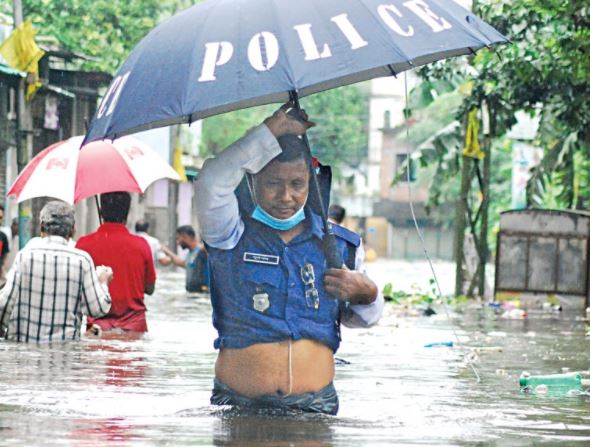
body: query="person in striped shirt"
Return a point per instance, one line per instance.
(51, 285)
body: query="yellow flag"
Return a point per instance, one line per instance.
(33, 84)
(178, 166)
(472, 148)
(22, 53)
(20, 50)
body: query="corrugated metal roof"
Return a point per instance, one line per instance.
(5, 69)
(11, 71)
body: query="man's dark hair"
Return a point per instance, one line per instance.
(293, 148)
(142, 225)
(187, 230)
(114, 206)
(1, 207)
(337, 213)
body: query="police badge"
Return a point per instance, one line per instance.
(260, 301)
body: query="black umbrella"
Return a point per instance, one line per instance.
(224, 55)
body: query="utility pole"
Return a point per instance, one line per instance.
(24, 138)
(464, 212)
(173, 189)
(487, 162)
(469, 217)
(460, 223)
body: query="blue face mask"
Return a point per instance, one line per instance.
(278, 224)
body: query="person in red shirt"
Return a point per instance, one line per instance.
(131, 259)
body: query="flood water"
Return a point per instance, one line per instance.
(155, 390)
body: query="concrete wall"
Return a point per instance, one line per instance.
(405, 243)
(544, 252)
(399, 242)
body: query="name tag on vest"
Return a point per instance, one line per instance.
(259, 258)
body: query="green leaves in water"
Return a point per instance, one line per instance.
(419, 297)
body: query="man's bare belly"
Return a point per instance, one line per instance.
(264, 368)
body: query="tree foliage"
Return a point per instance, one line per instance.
(104, 30)
(545, 71)
(341, 135)
(221, 130)
(340, 138)
(438, 136)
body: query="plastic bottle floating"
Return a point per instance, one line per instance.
(568, 383)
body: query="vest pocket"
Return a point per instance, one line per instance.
(263, 274)
(263, 288)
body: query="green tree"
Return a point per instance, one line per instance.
(339, 139)
(341, 136)
(438, 137)
(221, 130)
(545, 71)
(104, 30)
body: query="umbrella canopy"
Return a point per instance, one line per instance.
(224, 55)
(70, 173)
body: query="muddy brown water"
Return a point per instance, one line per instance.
(394, 391)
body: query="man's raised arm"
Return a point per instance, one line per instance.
(217, 205)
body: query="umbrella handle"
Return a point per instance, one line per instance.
(98, 210)
(333, 258)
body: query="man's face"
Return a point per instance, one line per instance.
(183, 241)
(282, 187)
(1, 216)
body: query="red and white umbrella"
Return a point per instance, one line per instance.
(70, 173)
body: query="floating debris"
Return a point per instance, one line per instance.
(515, 314)
(438, 344)
(479, 349)
(553, 383)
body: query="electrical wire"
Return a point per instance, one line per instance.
(419, 232)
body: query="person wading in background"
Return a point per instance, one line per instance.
(196, 262)
(130, 258)
(51, 284)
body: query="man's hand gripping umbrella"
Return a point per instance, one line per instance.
(298, 125)
(345, 284)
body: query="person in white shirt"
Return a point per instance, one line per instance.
(51, 285)
(141, 229)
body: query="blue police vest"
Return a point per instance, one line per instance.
(257, 291)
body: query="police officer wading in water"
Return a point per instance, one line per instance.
(276, 306)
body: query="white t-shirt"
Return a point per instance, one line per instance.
(155, 245)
